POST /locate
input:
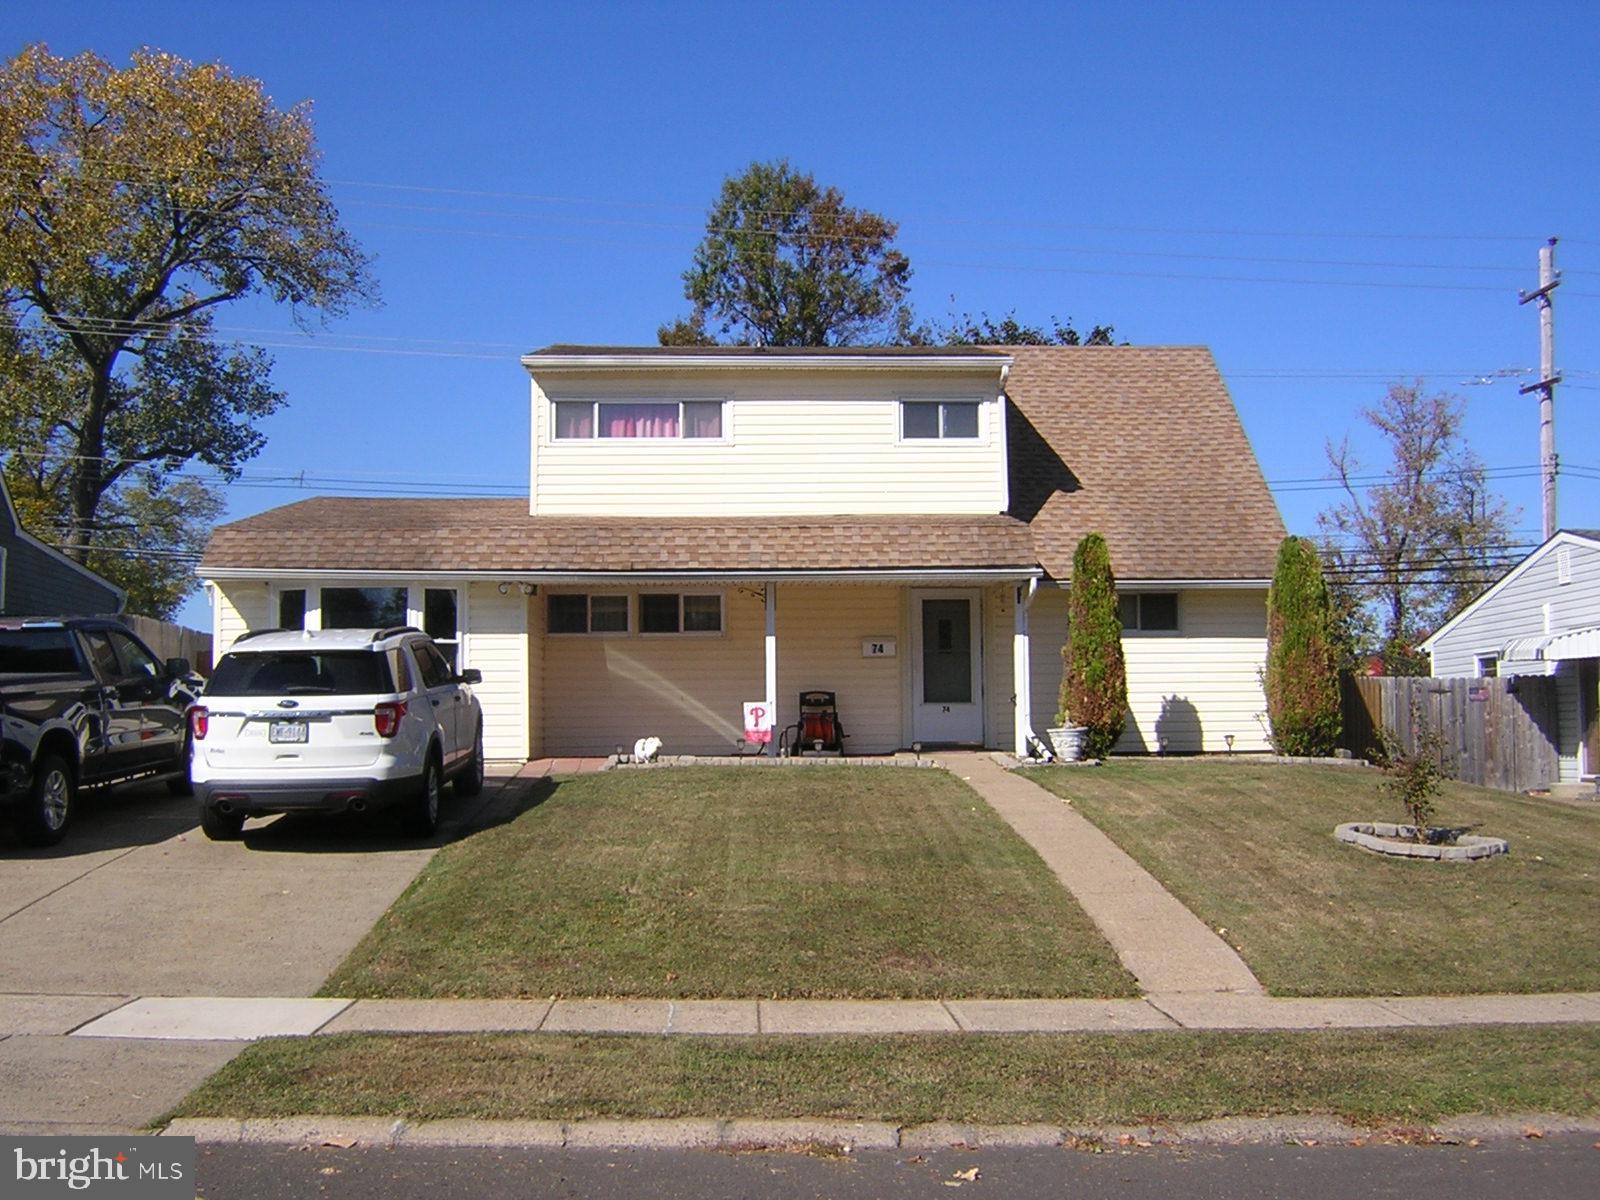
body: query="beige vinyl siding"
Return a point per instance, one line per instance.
(605, 691)
(601, 692)
(999, 711)
(820, 631)
(496, 643)
(1192, 688)
(238, 608)
(790, 446)
(536, 676)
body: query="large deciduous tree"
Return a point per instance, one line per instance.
(133, 203)
(786, 262)
(1410, 550)
(1301, 679)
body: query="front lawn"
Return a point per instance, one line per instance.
(1250, 849)
(1394, 1077)
(706, 882)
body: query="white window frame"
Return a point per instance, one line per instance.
(594, 419)
(588, 615)
(680, 631)
(1482, 657)
(1177, 604)
(980, 439)
(416, 599)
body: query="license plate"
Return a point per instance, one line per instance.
(288, 731)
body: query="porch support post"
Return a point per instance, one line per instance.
(772, 663)
(1022, 667)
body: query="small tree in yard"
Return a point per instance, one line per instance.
(1302, 677)
(1094, 685)
(1414, 777)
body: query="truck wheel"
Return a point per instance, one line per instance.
(422, 810)
(221, 826)
(470, 780)
(42, 819)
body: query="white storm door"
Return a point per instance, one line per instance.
(946, 667)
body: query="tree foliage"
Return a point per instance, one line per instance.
(1094, 684)
(786, 262)
(1302, 672)
(984, 330)
(1411, 551)
(133, 203)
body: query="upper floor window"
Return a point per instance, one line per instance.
(578, 420)
(938, 419)
(1148, 612)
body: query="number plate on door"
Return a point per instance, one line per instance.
(288, 731)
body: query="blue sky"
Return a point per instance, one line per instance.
(1329, 196)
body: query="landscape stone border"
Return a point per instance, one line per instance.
(1377, 836)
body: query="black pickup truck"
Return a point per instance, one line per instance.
(84, 703)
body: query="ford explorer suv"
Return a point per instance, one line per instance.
(83, 703)
(333, 721)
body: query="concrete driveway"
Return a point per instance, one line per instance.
(136, 902)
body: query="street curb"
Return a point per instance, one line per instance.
(742, 1134)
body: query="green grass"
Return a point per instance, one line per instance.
(1388, 1078)
(816, 882)
(1250, 849)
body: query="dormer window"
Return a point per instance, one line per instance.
(581, 420)
(924, 419)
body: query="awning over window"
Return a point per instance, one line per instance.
(1578, 643)
(1552, 647)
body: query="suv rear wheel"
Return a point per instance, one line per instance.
(422, 810)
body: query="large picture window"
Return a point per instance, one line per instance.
(579, 420)
(363, 608)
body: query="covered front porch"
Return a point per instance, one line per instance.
(913, 660)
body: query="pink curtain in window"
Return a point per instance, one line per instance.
(639, 420)
(574, 420)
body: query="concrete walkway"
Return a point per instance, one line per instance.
(1169, 950)
(238, 1019)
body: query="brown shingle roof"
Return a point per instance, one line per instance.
(1140, 443)
(1143, 444)
(388, 534)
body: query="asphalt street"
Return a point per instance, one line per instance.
(1563, 1166)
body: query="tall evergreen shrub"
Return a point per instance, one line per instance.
(1302, 675)
(1094, 683)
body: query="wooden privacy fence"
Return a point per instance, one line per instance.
(172, 641)
(1499, 733)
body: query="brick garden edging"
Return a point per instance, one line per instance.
(1382, 837)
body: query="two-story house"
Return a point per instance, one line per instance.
(712, 526)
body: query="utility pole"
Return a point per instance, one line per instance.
(1549, 280)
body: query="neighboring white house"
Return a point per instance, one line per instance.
(709, 526)
(1541, 618)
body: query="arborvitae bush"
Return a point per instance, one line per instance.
(1094, 684)
(1302, 674)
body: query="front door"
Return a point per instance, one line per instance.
(947, 700)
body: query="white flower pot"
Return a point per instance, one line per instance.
(1067, 742)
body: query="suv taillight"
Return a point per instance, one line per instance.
(386, 718)
(199, 722)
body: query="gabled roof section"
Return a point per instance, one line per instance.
(1561, 537)
(1142, 444)
(472, 536)
(13, 526)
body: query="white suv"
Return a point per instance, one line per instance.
(336, 720)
